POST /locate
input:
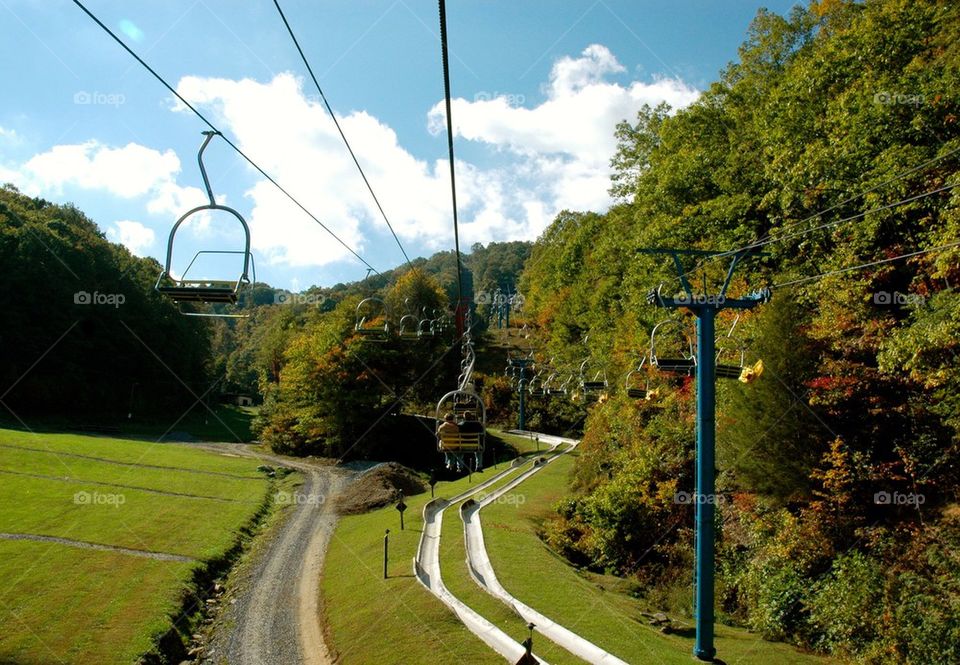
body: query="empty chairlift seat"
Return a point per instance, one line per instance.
(191, 289)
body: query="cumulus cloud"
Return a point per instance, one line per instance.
(127, 172)
(544, 157)
(559, 153)
(566, 142)
(133, 235)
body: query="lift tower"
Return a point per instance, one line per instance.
(705, 307)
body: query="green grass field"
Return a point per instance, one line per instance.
(371, 620)
(593, 606)
(63, 603)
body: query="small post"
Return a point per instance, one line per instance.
(401, 506)
(386, 545)
(433, 481)
(538, 444)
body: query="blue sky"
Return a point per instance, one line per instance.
(538, 88)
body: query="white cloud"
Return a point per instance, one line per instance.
(128, 172)
(8, 134)
(558, 157)
(293, 139)
(565, 143)
(546, 157)
(133, 235)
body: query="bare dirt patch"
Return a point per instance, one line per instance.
(378, 487)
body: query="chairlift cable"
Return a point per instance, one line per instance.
(929, 250)
(825, 225)
(453, 181)
(336, 122)
(213, 127)
(892, 179)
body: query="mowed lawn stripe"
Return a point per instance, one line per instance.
(51, 465)
(193, 527)
(128, 451)
(83, 544)
(61, 604)
(60, 454)
(93, 571)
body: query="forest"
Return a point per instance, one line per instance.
(827, 155)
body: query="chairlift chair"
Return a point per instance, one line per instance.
(632, 383)
(536, 388)
(408, 328)
(461, 448)
(370, 311)
(678, 360)
(203, 290)
(592, 385)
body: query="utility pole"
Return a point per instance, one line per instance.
(522, 364)
(705, 308)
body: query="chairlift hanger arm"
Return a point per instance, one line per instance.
(209, 134)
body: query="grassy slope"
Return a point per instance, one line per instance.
(372, 621)
(599, 612)
(63, 604)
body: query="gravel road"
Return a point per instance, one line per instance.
(274, 616)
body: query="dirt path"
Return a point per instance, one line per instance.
(274, 617)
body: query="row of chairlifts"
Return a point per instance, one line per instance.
(192, 289)
(671, 352)
(373, 323)
(463, 449)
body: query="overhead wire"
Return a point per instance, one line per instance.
(343, 136)
(861, 266)
(213, 127)
(766, 239)
(453, 176)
